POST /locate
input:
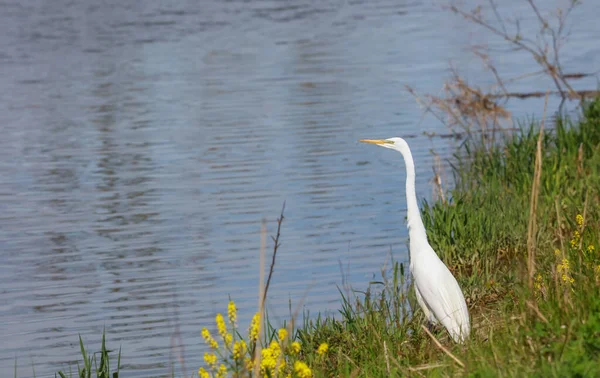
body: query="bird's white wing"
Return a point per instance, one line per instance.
(443, 296)
(428, 314)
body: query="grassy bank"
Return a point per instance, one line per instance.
(552, 329)
(548, 325)
(532, 288)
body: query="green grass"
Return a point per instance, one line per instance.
(91, 367)
(548, 329)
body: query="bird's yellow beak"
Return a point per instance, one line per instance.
(376, 141)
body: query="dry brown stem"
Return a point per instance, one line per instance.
(444, 349)
(535, 189)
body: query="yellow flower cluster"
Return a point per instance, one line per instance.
(232, 313)
(323, 348)
(591, 248)
(210, 359)
(295, 348)
(575, 239)
(579, 219)
(202, 373)
(222, 372)
(563, 269)
(280, 358)
(283, 334)
(538, 281)
(563, 266)
(209, 339)
(221, 325)
(254, 327)
(272, 360)
(222, 328)
(302, 370)
(239, 349)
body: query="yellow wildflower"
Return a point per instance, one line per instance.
(302, 370)
(228, 339)
(202, 373)
(248, 363)
(275, 348)
(557, 252)
(563, 268)
(210, 359)
(271, 359)
(283, 334)
(575, 239)
(591, 248)
(323, 348)
(254, 327)
(239, 349)
(567, 279)
(295, 347)
(579, 219)
(538, 281)
(282, 365)
(232, 313)
(209, 339)
(221, 325)
(222, 372)
(268, 360)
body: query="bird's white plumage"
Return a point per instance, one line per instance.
(440, 293)
(437, 291)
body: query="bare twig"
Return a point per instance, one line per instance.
(537, 311)
(275, 248)
(444, 349)
(488, 64)
(497, 15)
(264, 288)
(426, 367)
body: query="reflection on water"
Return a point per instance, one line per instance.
(143, 143)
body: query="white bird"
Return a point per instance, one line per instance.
(437, 291)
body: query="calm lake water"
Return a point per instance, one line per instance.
(143, 142)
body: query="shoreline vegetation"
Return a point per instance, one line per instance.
(520, 232)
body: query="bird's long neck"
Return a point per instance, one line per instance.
(416, 229)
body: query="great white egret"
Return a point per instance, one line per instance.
(436, 288)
